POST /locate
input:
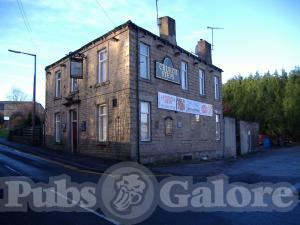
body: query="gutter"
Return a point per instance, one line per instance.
(137, 99)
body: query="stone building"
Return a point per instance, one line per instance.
(10, 110)
(141, 97)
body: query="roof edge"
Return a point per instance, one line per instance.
(91, 42)
(129, 23)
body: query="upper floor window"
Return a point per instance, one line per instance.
(74, 85)
(201, 82)
(58, 84)
(184, 75)
(102, 66)
(144, 61)
(217, 88)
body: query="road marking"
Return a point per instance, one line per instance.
(65, 197)
(78, 169)
(8, 167)
(87, 209)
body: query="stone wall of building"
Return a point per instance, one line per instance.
(90, 95)
(20, 108)
(190, 137)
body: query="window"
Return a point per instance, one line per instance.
(217, 88)
(144, 61)
(202, 82)
(145, 121)
(74, 85)
(218, 127)
(57, 128)
(184, 77)
(168, 126)
(57, 84)
(102, 66)
(102, 123)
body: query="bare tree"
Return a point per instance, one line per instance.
(16, 94)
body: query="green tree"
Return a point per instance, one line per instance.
(262, 98)
(291, 103)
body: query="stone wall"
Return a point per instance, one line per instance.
(91, 95)
(190, 137)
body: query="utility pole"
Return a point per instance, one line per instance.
(34, 92)
(212, 34)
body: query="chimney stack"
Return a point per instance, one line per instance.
(203, 50)
(167, 29)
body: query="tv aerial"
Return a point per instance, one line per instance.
(212, 34)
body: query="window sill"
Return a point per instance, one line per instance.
(57, 98)
(102, 143)
(147, 80)
(145, 141)
(185, 90)
(102, 84)
(57, 143)
(72, 93)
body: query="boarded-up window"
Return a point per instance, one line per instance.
(169, 126)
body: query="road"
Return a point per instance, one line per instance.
(282, 165)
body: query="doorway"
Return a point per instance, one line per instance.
(74, 131)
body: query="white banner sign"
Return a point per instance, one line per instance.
(172, 102)
(166, 101)
(192, 107)
(180, 104)
(206, 109)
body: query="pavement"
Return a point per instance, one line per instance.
(276, 165)
(259, 163)
(80, 161)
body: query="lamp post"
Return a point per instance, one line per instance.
(34, 87)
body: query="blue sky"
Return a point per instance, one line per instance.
(259, 34)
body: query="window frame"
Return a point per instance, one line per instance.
(57, 87)
(202, 89)
(184, 73)
(148, 121)
(217, 88)
(100, 124)
(57, 127)
(72, 82)
(147, 77)
(100, 63)
(218, 126)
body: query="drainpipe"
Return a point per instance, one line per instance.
(223, 135)
(137, 97)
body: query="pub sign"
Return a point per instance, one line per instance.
(76, 66)
(166, 71)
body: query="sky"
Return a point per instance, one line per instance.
(258, 35)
